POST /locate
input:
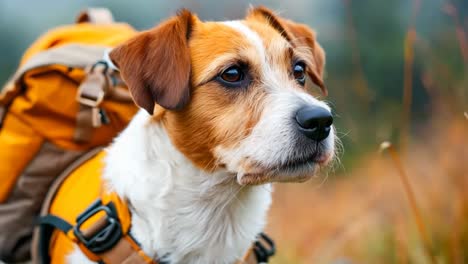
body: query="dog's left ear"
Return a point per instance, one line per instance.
(301, 37)
(155, 64)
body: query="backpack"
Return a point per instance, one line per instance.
(62, 103)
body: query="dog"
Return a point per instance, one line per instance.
(225, 112)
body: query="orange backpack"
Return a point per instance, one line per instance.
(63, 102)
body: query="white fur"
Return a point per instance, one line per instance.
(249, 34)
(177, 209)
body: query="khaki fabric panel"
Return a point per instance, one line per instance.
(89, 34)
(18, 213)
(72, 55)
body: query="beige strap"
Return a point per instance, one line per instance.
(84, 120)
(249, 257)
(134, 258)
(124, 253)
(95, 16)
(90, 95)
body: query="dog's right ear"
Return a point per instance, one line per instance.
(300, 36)
(155, 64)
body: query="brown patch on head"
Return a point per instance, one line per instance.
(156, 64)
(302, 39)
(266, 15)
(197, 130)
(216, 115)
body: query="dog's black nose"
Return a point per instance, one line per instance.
(314, 122)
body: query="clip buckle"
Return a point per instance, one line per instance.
(264, 248)
(91, 92)
(106, 231)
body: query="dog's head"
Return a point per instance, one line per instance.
(232, 95)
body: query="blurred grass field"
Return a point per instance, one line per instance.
(365, 217)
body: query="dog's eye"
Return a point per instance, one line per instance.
(299, 72)
(232, 75)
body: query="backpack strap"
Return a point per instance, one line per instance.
(90, 95)
(95, 15)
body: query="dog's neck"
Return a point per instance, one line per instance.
(178, 211)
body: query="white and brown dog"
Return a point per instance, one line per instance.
(228, 115)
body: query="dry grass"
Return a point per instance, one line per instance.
(408, 76)
(365, 217)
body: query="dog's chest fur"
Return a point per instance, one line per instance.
(179, 211)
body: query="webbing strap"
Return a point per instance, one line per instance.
(84, 123)
(47, 225)
(90, 95)
(56, 222)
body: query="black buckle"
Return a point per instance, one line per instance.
(105, 238)
(100, 62)
(264, 248)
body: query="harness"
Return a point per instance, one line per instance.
(100, 227)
